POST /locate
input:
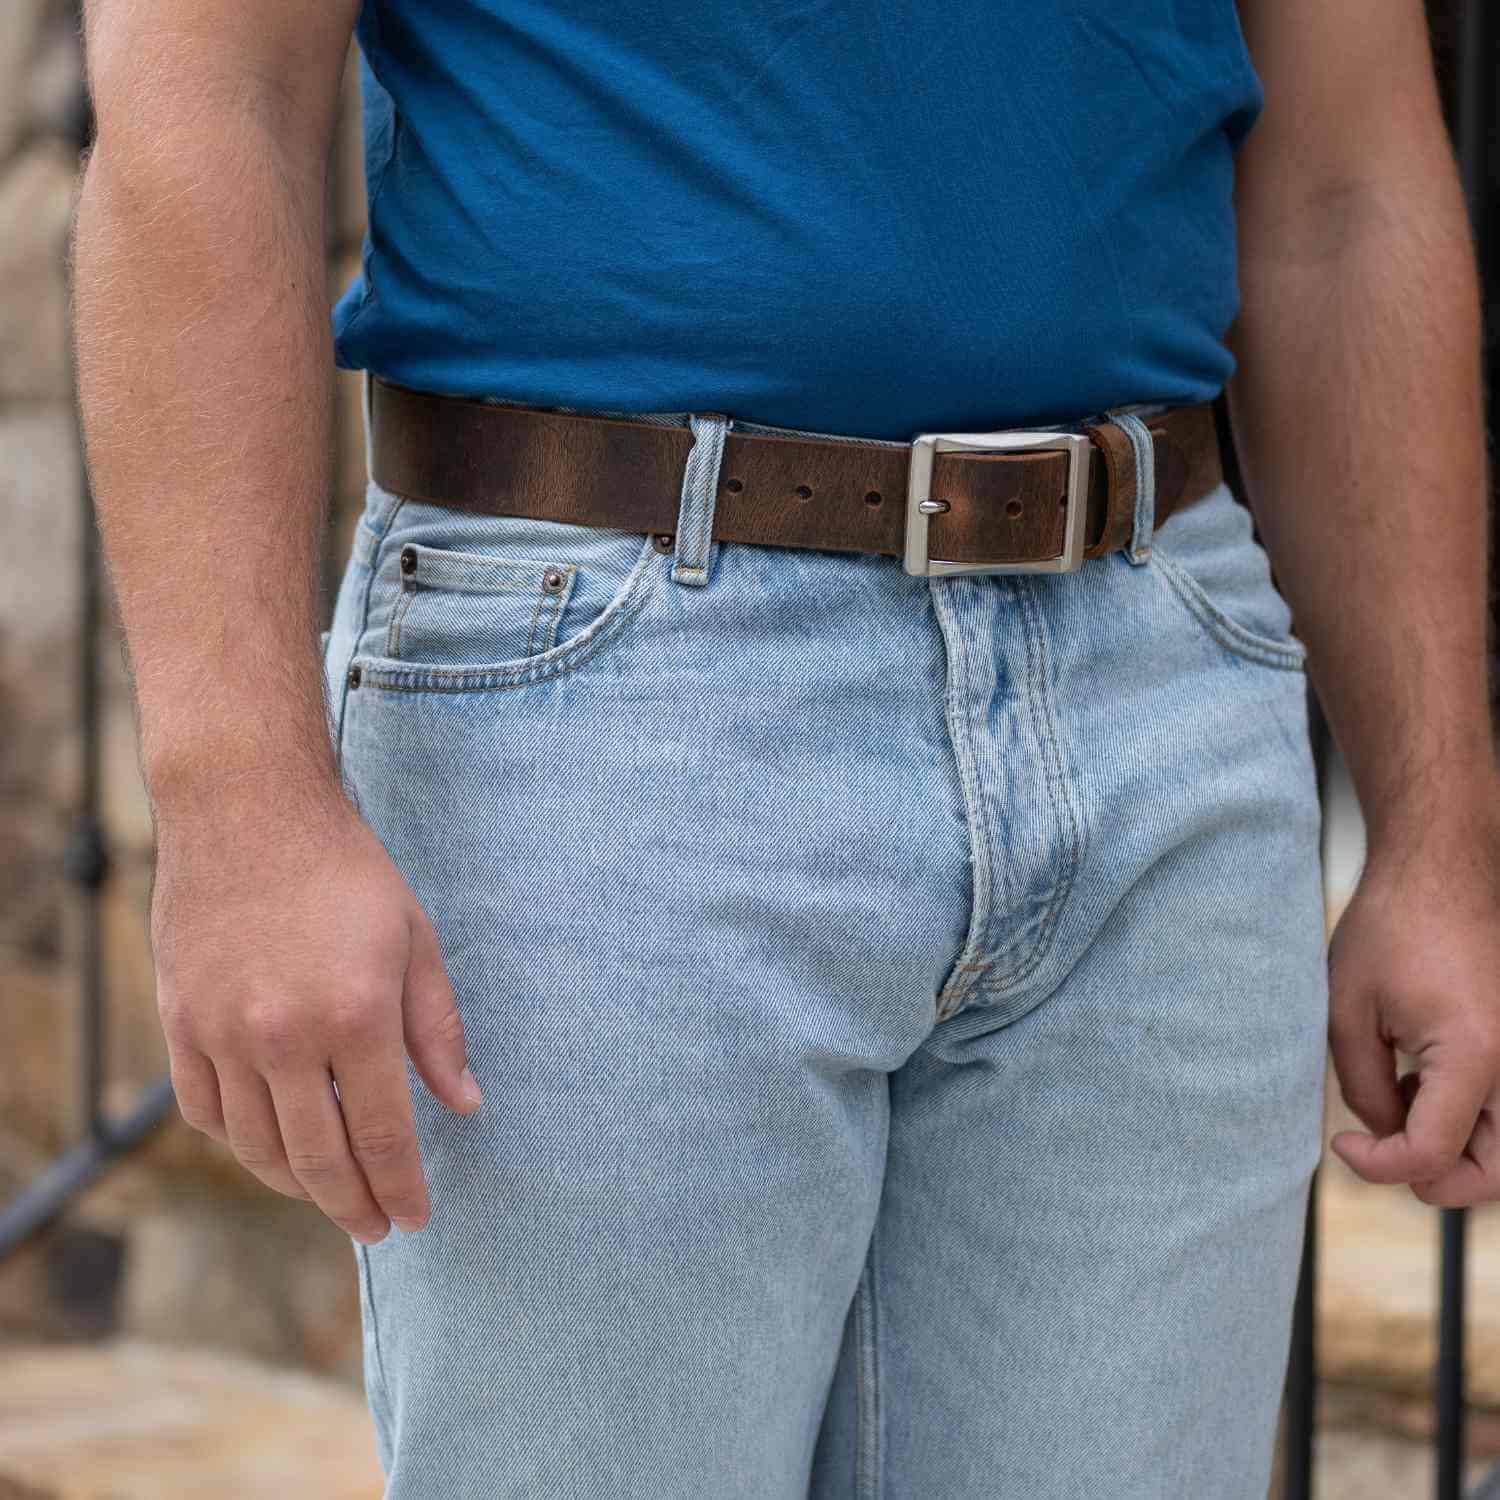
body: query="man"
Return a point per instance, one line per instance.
(865, 1023)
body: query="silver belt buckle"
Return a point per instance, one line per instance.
(921, 507)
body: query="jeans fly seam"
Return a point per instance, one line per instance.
(1053, 781)
(867, 1370)
(971, 959)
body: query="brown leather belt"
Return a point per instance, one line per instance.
(941, 499)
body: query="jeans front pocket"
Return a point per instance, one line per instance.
(1208, 558)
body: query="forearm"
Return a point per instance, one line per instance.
(1358, 421)
(205, 371)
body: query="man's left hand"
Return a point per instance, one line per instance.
(1415, 966)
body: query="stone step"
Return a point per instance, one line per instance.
(134, 1421)
(1378, 1286)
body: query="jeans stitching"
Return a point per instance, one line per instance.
(398, 618)
(971, 960)
(1054, 783)
(867, 1368)
(1234, 637)
(536, 614)
(384, 1391)
(554, 604)
(364, 620)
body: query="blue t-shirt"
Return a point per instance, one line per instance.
(874, 217)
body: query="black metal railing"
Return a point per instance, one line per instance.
(86, 865)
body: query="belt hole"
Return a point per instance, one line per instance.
(802, 492)
(663, 541)
(1062, 501)
(873, 498)
(1013, 508)
(734, 486)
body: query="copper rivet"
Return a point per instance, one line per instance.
(354, 676)
(408, 559)
(552, 580)
(734, 486)
(663, 541)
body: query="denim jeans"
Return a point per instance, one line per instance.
(899, 1003)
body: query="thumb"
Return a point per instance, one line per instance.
(431, 1024)
(1444, 1110)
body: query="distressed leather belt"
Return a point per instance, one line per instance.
(1015, 501)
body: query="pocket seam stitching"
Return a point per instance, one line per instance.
(398, 618)
(1230, 634)
(453, 570)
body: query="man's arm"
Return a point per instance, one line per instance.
(1357, 409)
(290, 953)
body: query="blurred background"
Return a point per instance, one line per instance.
(168, 1327)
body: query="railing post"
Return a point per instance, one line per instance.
(86, 862)
(1450, 1367)
(1301, 1379)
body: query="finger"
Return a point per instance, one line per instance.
(433, 1028)
(1365, 1064)
(317, 1149)
(1475, 1178)
(375, 1098)
(251, 1129)
(196, 1086)
(1438, 1126)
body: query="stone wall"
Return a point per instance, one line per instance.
(204, 1254)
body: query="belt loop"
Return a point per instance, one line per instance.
(1139, 550)
(696, 548)
(366, 398)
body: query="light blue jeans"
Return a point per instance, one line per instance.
(899, 1004)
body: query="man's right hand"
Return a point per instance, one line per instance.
(293, 963)
(291, 958)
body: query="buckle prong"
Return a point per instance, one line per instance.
(921, 506)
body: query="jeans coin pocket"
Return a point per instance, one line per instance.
(458, 608)
(461, 600)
